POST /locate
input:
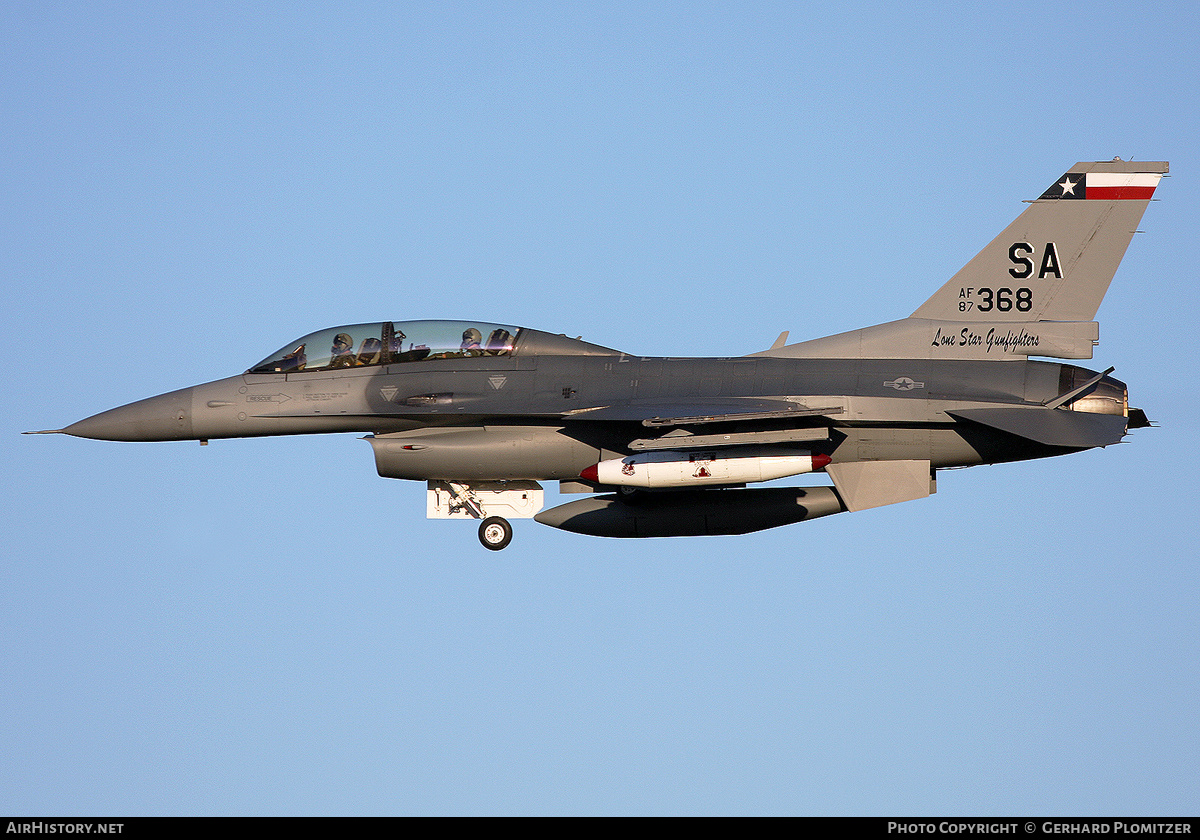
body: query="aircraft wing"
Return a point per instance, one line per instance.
(657, 413)
(680, 419)
(650, 413)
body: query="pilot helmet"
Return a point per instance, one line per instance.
(343, 338)
(472, 336)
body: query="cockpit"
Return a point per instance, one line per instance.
(389, 343)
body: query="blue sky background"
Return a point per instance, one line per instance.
(267, 627)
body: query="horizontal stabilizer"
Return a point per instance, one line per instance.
(1051, 426)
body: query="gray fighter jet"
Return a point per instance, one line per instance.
(483, 412)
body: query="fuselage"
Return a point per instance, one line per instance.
(548, 415)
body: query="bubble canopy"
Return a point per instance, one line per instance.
(388, 343)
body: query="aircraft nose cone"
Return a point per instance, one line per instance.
(165, 417)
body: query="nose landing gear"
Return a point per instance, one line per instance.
(490, 503)
(495, 533)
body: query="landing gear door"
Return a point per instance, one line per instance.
(481, 499)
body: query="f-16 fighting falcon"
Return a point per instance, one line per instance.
(666, 447)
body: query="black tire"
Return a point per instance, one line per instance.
(495, 533)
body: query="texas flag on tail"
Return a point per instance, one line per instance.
(1105, 186)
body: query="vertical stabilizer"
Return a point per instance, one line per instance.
(1054, 263)
(1033, 291)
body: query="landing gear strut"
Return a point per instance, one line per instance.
(490, 503)
(495, 533)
